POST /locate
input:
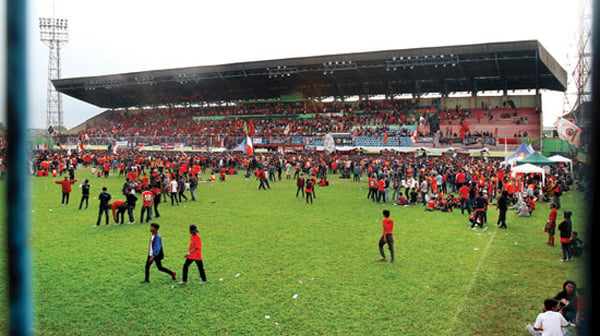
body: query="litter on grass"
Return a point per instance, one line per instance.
(237, 275)
(268, 317)
(294, 296)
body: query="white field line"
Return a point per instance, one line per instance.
(473, 278)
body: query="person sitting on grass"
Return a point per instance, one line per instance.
(401, 200)
(431, 204)
(576, 245)
(567, 300)
(523, 209)
(413, 195)
(549, 321)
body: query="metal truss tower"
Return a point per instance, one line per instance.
(582, 69)
(54, 33)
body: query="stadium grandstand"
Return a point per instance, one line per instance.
(443, 97)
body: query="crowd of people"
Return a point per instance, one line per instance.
(225, 125)
(448, 184)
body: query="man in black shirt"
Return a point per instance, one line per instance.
(502, 207)
(104, 198)
(85, 194)
(131, 199)
(480, 208)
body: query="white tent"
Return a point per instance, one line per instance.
(526, 169)
(560, 158)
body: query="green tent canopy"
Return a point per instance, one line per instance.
(536, 158)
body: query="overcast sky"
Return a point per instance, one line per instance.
(114, 36)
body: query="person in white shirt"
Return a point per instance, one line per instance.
(173, 188)
(549, 322)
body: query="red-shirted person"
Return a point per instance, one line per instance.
(551, 224)
(300, 185)
(194, 255)
(372, 188)
(380, 190)
(310, 187)
(118, 209)
(106, 167)
(463, 191)
(460, 179)
(387, 236)
(147, 202)
(66, 189)
(431, 204)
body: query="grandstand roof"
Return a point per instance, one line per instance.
(490, 66)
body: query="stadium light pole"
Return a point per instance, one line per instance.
(20, 310)
(54, 33)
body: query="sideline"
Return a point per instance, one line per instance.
(473, 278)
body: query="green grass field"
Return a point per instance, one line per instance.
(447, 279)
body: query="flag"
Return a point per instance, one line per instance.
(84, 137)
(45, 146)
(567, 130)
(61, 146)
(80, 147)
(140, 147)
(251, 128)
(249, 148)
(464, 129)
(413, 136)
(220, 141)
(385, 137)
(69, 152)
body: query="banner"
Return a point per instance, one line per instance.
(329, 143)
(568, 131)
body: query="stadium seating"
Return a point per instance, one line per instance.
(371, 123)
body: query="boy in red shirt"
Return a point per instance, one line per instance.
(194, 255)
(387, 236)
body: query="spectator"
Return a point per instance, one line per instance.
(567, 300)
(549, 322)
(565, 228)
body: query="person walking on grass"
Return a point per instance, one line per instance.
(66, 189)
(156, 254)
(194, 255)
(387, 236)
(85, 194)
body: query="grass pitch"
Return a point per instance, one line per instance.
(263, 248)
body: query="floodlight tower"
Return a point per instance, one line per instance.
(54, 33)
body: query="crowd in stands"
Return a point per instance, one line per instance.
(205, 126)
